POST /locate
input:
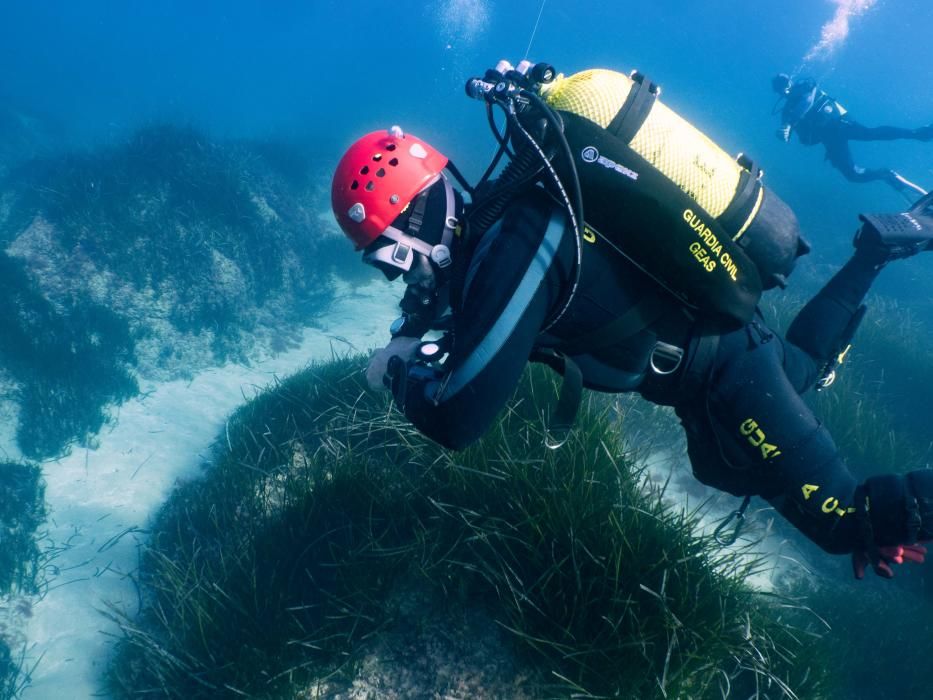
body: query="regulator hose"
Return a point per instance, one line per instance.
(484, 212)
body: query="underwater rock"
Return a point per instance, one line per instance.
(190, 252)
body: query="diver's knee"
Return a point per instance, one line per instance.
(854, 173)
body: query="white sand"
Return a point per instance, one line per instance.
(101, 500)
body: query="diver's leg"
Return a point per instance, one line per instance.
(840, 156)
(825, 324)
(854, 131)
(753, 434)
(821, 327)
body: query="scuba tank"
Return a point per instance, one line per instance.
(652, 186)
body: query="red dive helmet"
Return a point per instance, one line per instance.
(377, 178)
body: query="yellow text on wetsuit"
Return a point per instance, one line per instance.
(828, 505)
(756, 438)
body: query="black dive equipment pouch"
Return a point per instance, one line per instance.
(659, 227)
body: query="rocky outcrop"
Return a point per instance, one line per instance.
(149, 260)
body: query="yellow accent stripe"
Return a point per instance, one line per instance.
(752, 215)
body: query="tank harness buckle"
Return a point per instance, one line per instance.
(665, 358)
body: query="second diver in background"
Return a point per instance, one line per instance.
(818, 118)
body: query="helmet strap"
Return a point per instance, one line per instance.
(438, 254)
(416, 220)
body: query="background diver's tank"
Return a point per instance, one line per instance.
(651, 179)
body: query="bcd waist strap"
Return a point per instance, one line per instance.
(640, 316)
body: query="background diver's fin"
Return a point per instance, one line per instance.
(906, 187)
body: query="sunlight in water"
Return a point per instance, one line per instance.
(836, 30)
(462, 21)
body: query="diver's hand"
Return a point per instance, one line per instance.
(881, 558)
(401, 346)
(783, 133)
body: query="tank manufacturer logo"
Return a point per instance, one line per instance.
(591, 155)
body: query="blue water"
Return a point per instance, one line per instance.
(318, 73)
(325, 71)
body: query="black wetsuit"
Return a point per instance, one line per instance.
(748, 430)
(818, 118)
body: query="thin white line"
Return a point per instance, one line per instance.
(535, 30)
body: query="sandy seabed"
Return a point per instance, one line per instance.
(101, 500)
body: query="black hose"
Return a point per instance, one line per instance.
(484, 213)
(502, 140)
(455, 171)
(558, 127)
(524, 167)
(486, 210)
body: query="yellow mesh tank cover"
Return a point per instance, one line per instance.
(666, 140)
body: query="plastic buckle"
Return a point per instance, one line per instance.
(398, 325)
(440, 255)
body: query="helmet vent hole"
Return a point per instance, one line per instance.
(393, 162)
(390, 147)
(377, 157)
(381, 172)
(364, 170)
(370, 186)
(355, 185)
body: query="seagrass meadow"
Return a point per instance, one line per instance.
(273, 575)
(22, 514)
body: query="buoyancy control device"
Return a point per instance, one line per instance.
(634, 173)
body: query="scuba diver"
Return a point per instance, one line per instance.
(656, 292)
(818, 118)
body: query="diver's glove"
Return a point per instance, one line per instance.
(783, 133)
(403, 347)
(881, 558)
